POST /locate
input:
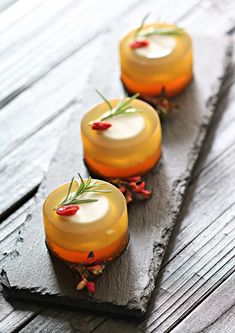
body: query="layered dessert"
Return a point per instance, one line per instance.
(121, 138)
(86, 216)
(156, 57)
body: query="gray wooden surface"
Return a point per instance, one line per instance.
(44, 46)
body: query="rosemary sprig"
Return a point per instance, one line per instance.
(141, 24)
(84, 186)
(163, 31)
(123, 107)
(160, 31)
(105, 99)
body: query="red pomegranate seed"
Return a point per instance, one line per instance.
(100, 125)
(139, 188)
(91, 287)
(67, 210)
(136, 44)
(145, 193)
(122, 188)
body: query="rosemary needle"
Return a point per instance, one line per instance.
(123, 107)
(160, 31)
(84, 187)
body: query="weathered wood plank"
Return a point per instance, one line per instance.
(25, 18)
(47, 99)
(17, 12)
(15, 314)
(131, 295)
(20, 68)
(40, 148)
(51, 320)
(211, 18)
(216, 314)
(68, 33)
(5, 4)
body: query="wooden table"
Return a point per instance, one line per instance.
(47, 51)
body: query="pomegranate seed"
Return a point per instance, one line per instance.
(100, 125)
(136, 44)
(133, 184)
(139, 188)
(90, 286)
(67, 210)
(146, 194)
(122, 188)
(97, 269)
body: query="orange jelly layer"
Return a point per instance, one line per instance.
(71, 239)
(172, 88)
(112, 158)
(149, 75)
(105, 254)
(111, 172)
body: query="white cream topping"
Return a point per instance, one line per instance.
(92, 211)
(125, 127)
(159, 46)
(89, 215)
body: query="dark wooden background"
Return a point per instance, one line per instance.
(47, 51)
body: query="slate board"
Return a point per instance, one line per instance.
(127, 284)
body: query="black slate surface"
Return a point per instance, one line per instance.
(127, 284)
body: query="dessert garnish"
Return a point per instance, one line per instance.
(140, 37)
(132, 188)
(67, 210)
(87, 273)
(162, 104)
(70, 204)
(100, 125)
(123, 107)
(136, 44)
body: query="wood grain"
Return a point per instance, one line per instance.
(209, 315)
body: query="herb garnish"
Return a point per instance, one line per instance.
(123, 107)
(163, 31)
(167, 31)
(84, 187)
(141, 25)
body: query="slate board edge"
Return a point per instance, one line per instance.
(159, 249)
(180, 186)
(45, 297)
